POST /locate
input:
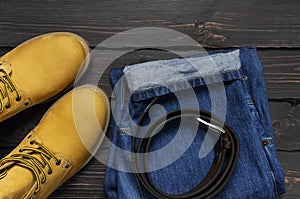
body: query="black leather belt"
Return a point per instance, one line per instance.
(226, 153)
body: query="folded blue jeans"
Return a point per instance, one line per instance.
(235, 83)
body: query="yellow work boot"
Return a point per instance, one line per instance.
(60, 145)
(39, 69)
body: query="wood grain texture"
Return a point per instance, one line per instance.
(213, 24)
(282, 73)
(291, 162)
(271, 26)
(88, 183)
(286, 124)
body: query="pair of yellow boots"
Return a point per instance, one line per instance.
(71, 129)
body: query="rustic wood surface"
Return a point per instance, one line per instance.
(271, 26)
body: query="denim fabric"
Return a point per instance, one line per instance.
(257, 174)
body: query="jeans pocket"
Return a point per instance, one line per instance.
(277, 172)
(269, 151)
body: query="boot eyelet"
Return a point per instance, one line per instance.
(7, 106)
(18, 99)
(26, 103)
(49, 172)
(58, 163)
(31, 142)
(67, 166)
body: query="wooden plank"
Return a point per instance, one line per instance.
(213, 24)
(281, 67)
(285, 118)
(290, 162)
(88, 183)
(282, 72)
(286, 125)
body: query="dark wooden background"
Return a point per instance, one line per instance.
(272, 26)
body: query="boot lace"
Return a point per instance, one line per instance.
(6, 86)
(27, 158)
